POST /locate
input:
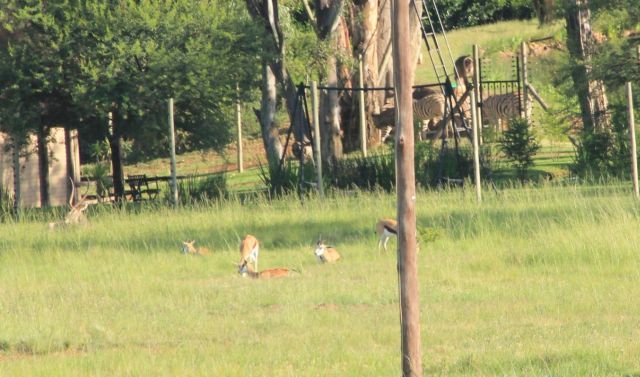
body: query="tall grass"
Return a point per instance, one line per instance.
(533, 282)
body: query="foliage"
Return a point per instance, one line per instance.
(604, 154)
(377, 171)
(193, 190)
(464, 13)
(519, 144)
(6, 204)
(71, 63)
(280, 180)
(431, 164)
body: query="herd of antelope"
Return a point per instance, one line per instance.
(249, 246)
(250, 249)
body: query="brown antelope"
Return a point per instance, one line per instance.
(188, 248)
(249, 249)
(326, 254)
(248, 270)
(76, 214)
(385, 229)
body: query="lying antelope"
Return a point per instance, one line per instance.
(188, 248)
(385, 229)
(76, 214)
(326, 254)
(249, 249)
(248, 270)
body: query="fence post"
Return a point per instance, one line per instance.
(363, 123)
(239, 129)
(525, 81)
(476, 146)
(476, 89)
(15, 154)
(632, 135)
(315, 109)
(172, 138)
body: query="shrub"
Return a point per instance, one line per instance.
(280, 180)
(519, 145)
(603, 154)
(194, 189)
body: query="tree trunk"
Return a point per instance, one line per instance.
(369, 49)
(43, 165)
(268, 126)
(266, 11)
(545, 10)
(330, 132)
(331, 26)
(591, 93)
(116, 157)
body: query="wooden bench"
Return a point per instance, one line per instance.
(139, 185)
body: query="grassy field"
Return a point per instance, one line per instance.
(533, 282)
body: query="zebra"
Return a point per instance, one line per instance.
(499, 109)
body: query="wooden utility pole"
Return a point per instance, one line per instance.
(315, 110)
(239, 128)
(476, 89)
(476, 146)
(632, 135)
(403, 72)
(363, 122)
(172, 138)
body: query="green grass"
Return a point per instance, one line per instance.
(534, 282)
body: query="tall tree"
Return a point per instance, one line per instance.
(591, 92)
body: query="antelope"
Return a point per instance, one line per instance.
(188, 248)
(326, 254)
(386, 228)
(249, 249)
(247, 270)
(76, 214)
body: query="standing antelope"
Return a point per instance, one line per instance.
(249, 248)
(188, 248)
(76, 214)
(386, 228)
(326, 254)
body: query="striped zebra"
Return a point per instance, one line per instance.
(499, 109)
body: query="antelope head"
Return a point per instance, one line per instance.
(188, 248)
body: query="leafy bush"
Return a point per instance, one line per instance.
(376, 171)
(604, 154)
(519, 144)
(463, 13)
(193, 189)
(280, 181)
(431, 164)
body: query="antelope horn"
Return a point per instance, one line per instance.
(73, 191)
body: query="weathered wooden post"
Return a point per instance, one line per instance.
(172, 138)
(525, 82)
(15, 154)
(632, 135)
(476, 146)
(476, 89)
(403, 75)
(363, 123)
(239, 129)
(315, 104)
